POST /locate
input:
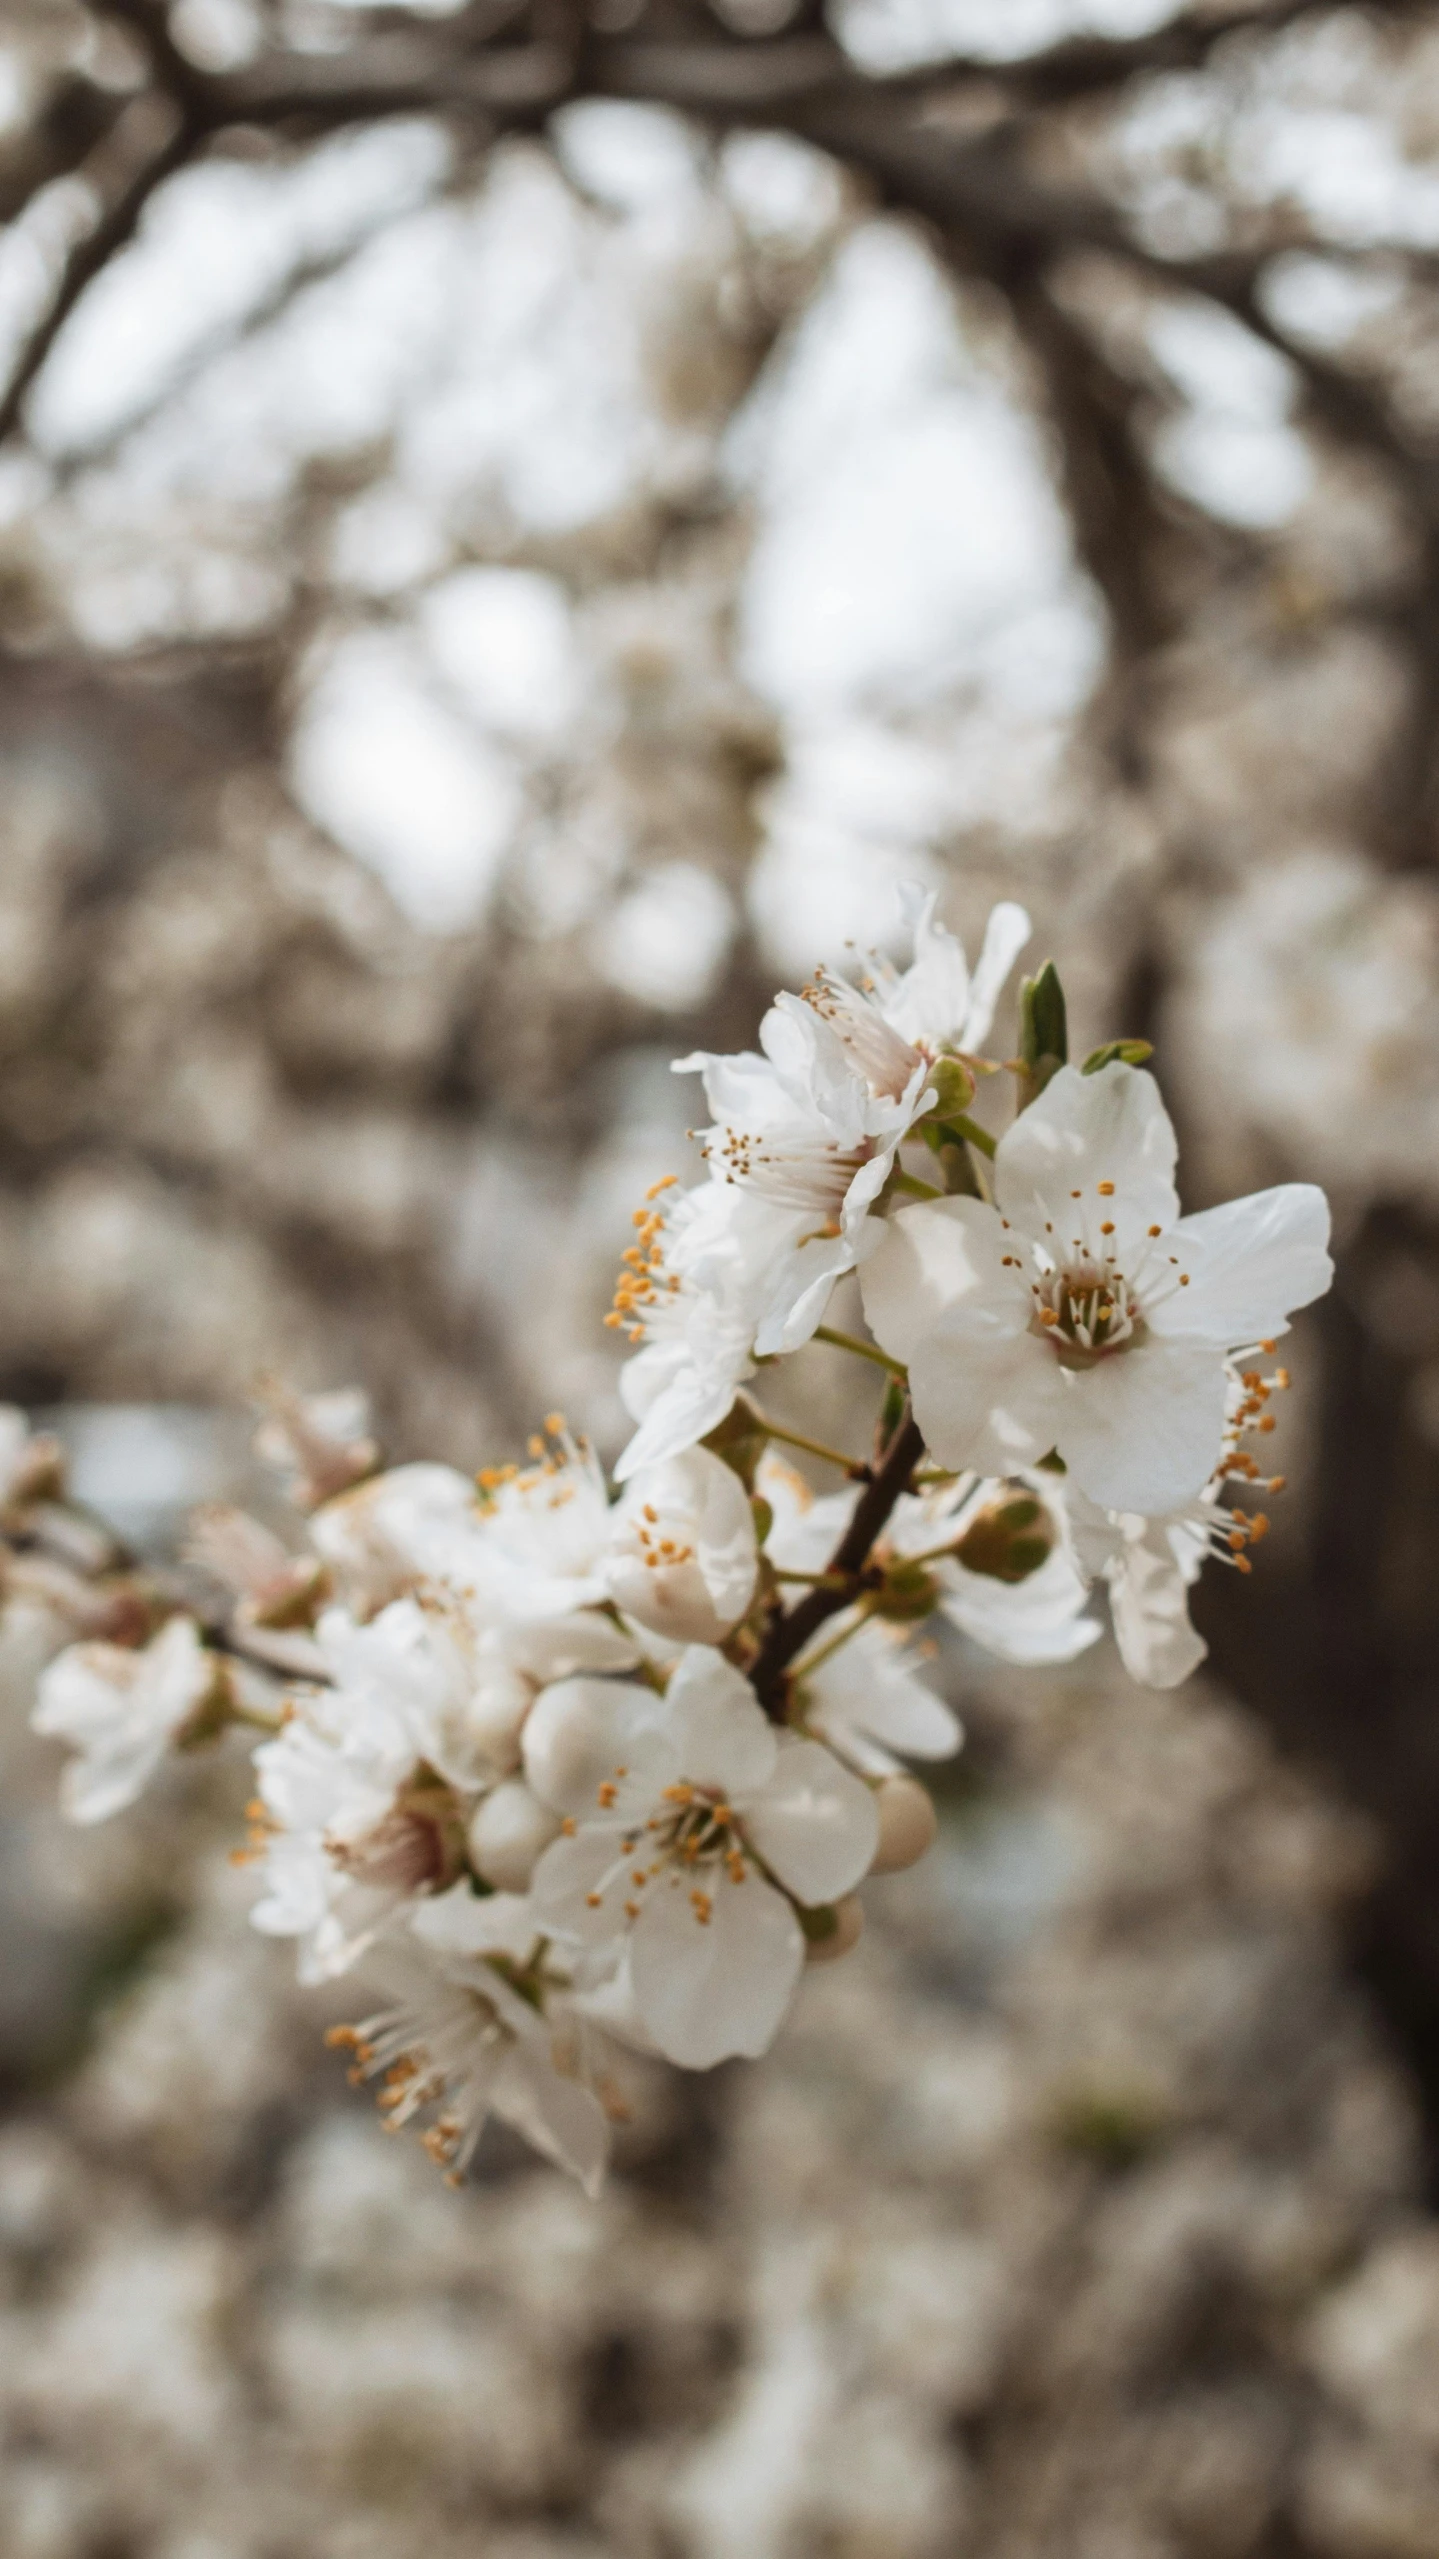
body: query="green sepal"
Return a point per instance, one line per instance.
(1127, 1052)
(763, 1517)
(952, 1084)
(740, 1439)
(1043, 1031)
(818, 1924)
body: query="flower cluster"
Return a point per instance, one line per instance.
(566, 1771)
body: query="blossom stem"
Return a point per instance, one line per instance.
(912, 1187)
(813, 1661)
(863, 1350)
(789, 1633)
(816, 1447)
(820, 1581)
(976, 1135)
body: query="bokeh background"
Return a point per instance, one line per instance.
(519, 524)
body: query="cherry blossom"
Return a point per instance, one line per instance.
(121, 1712)
(1079, 1311)
(459, 2041)
(697, 1827)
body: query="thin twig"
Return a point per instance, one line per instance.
(789, 1634)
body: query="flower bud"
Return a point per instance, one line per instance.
(507, 1833)
(825, 1945)
(907, 1825)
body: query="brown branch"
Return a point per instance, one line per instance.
(115, 227)
(789, 1634)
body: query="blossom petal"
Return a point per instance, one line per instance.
(1005, 935)
(699, 1590)
(715, 1726)
(992, 1404)
(580, 1731)
(711, 1987)
(1250, 1264)
(579, 1887)
(1142, 1431)
(942, 1262)
(1149, 1603)
(814, 1824)
(1083, 1130)
(564, 2122)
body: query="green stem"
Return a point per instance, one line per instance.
(976, 1135)
(862, 1350)
(813, 1661)
(911, 1184)
(815, 1447)
(818, 1581)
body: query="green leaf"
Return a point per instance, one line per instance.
(1127, 1052)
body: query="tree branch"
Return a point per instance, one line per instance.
(789, 1634)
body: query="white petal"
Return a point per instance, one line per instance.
(1005, 935)
(718, 1731)
(461, 1922)
(1083, 1130)
(814, 1824)
(563, 2121)
(1149, 1602)
(697, 1503)
(570, 1872)
(934, 1260)
(992, 1403)
(1037, 1620)
(1250, 1264)
(580, 1731)
(709, 1990)
(1142, 1431)
(509, 1831)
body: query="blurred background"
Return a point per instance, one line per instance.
(518, 526)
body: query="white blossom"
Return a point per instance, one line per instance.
(366, 1791)
(1080, 1312)
(805, 1137)
(813, 1124)
(682, 1808)
(122, 1711)
(458, 2041)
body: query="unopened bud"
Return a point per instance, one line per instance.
(508, 1832)
(908, 1825)
(953, 1087)
(833, 1931)
(1007, 1540)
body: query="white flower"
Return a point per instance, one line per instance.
(677, 1553)
(805, 1137)
(683, 1807)
(121, 1711)
(812, 1126)
(681, 1554)
(1081, 1312)
(380, 1537)
(460, 2041)
(693, 1295)
(321, 1443)
(367, 1790)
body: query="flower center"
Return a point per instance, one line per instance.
(1086, 1310)
(692, 1830)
